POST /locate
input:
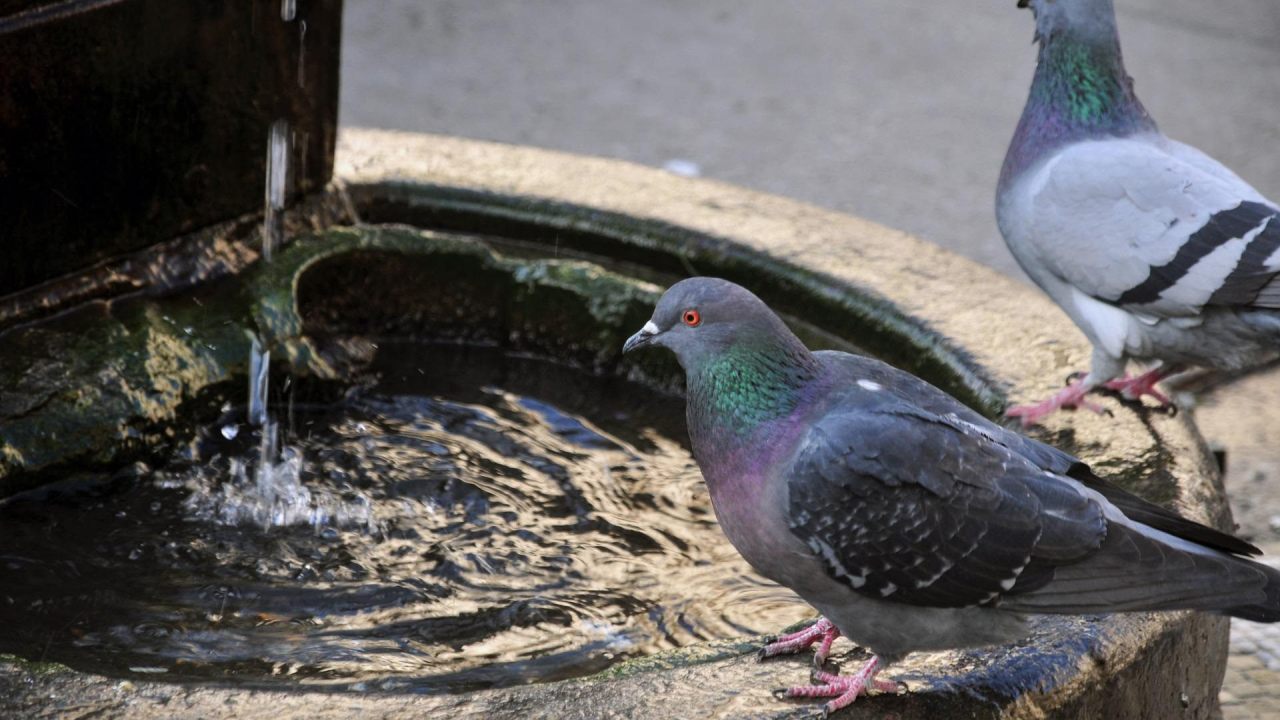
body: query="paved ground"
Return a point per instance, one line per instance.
(899, 112)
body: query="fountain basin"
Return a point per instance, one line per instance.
(979, 335)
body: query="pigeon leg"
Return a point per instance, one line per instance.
(824, 649)
(1135, 387)
(823, 630)
(1071, 396)
(844, 688)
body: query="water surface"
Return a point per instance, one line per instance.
(460, 519)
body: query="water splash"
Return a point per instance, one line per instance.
(288, 10)
(270, 493)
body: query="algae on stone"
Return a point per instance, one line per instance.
(102, 384)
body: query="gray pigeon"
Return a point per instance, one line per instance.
(908, 520)
(1158, 252)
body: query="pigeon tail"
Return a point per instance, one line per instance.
(1267, 611)
(1142, 569)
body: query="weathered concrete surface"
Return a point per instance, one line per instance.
(101, 379)
(398, 281)
(721, 680)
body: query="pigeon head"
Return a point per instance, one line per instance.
(1083, 18)
(703, 318)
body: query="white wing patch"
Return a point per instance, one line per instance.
(829, 554)
(1206, 276)
(1099, 215)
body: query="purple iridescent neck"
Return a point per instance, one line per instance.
(1080, 92)
(748, 401)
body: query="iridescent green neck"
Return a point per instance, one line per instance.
(746, 387)
(1080, 91)
(1083, 82)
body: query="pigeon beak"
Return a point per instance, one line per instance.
(642, 338)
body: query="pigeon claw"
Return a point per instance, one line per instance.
(763, 653)
(1070, 397)
(844, 688)
(823, 631)
(1135, 388)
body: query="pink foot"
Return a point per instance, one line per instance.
(844, 688)
(1134, 388)
(1071, 396)
(822, 630)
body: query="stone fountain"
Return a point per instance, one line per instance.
(540, 255)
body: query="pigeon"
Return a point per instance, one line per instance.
(909, 521)
(1159, 253)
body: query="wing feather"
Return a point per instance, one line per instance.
(1152, 227)
(905, 504)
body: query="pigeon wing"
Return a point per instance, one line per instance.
(903, 505)
(944, 408)
(1153, 227)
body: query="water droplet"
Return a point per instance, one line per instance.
(135, 553)
(230, 431)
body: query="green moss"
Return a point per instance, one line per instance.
(35, 667)
(102, 384)
(681, 657)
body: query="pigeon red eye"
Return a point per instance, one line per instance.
(692, 318)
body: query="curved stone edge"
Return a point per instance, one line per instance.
(711, 680)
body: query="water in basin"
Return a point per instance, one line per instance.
(476, 520)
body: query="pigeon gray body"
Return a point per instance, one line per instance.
(910, 521)
(1159, 253)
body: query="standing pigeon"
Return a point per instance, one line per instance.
(910, 521)
(1158, 252)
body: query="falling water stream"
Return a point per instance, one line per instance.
(267, 488)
